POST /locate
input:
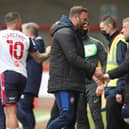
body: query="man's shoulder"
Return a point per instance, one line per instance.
(66, 31)
(13, 33)
(120, 39)
(94, 39)
(59, 28)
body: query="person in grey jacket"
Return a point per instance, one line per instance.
(68, 67)
(95, 52)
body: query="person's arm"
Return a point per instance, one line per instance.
(120, 56)
(40, 44)
(38, 57)
(122, 69)
(121, 52)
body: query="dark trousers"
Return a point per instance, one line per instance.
(95, 108)
(54, 113)
(67, 105)
(2, 117)
(25, 111)
(113, 114)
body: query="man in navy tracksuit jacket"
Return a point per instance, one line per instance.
(34, 71)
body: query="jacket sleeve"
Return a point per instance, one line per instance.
(122, 69)
(121, 52)
(68, 44)
(40, 44)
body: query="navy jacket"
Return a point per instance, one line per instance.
(34, 70)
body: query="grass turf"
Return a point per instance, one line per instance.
(43, 116)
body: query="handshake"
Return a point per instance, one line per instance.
(101, 80)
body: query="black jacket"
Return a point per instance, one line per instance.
(100, 53)
(68, 68)
(122, 70)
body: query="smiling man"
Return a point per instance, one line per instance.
(68, 67)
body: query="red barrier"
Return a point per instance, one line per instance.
(46, 67)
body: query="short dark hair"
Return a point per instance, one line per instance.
(77, 10)
(109, 20)
(11, 16)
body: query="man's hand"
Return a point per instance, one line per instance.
(99, 90)
(98, 73)
(98, 78)
(48, 50)
(40, 57)
(106, 78)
